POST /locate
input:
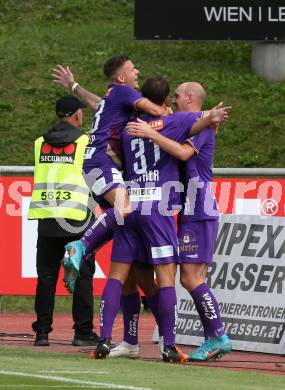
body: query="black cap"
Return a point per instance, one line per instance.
(67, 106)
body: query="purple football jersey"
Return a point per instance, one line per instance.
(114, 111)
(196, 176)
(151, 173)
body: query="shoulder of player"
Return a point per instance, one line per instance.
(115, 88)
(123, 87)
(182, 119)
(180, 116)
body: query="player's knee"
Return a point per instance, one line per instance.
(166, 281)
(165, 275)
(185, 281)
(190, 282)
(119, 271)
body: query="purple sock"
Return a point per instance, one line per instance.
(152, 302)
(109, 307)
(100, 231)
(200, 311)
(208, 309)
(131, 305)
(166, 301)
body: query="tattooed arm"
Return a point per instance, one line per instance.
(65, 77)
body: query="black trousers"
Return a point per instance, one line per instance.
(50, 252)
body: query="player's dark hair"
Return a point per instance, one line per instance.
(113, 64)
(156, 89)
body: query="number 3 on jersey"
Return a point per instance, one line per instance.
(96, 118)
(141, 165)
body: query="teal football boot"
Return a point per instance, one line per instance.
(213, 348)
(71, 262)
(76, 252)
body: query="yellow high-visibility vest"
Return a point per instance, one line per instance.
(60, 190)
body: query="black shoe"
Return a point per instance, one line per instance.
(81, 340)
(41, 340)
(102, 350)
(173, 355)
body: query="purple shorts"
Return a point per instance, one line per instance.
(197, 241)
(146, 240)
(103, 178)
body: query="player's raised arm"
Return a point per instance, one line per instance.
(141, 129)
(63, 76)
(217, 115)
(145, 105)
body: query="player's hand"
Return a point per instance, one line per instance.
(63, 76)
(166, 111)
(219, 105)
(140, 129)
(220, 114)
(169, 110)
(215, 126)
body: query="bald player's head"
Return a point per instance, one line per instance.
(196, 90)
(189, 97)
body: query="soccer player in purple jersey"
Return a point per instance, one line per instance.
(198, 221)
(149, 235)
(102, 161)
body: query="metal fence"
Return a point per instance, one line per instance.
(279, 172)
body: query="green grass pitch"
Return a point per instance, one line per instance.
(26, 368)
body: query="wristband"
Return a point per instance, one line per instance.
(74, 85)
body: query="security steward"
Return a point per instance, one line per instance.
(60, 204)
